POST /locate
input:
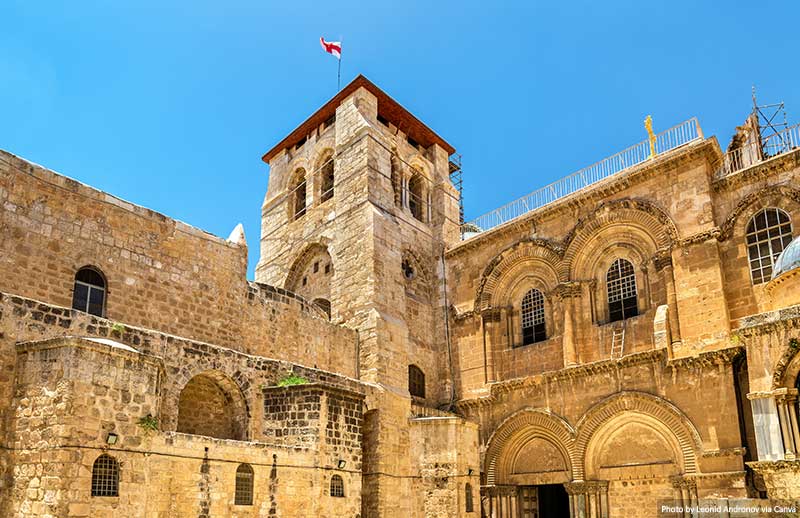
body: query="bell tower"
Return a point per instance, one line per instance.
(358, 210)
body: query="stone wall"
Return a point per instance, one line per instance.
(161, 273)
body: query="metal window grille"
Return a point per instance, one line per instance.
(327, 181)
(244, 485)
(416, 198)
(533, 326)
(468, 498)
(89, 292)
(337, 486)
(105, 476)
(297, 194)
(416, 381)
(768, 233)
(621, 286)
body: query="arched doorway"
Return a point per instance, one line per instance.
(528, 462)
(211, 404)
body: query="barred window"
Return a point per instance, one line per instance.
(468, 498)
(337, 486)
(533, 327)
(326, 175)
(416, 381)
(297, 195)
(244, 485)
(105, 476)
(89, 291)
(416, 197)
(621, 286)
(768, 233)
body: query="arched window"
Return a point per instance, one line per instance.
(768, 233)
(416, 197)
(325, 305)
(621, 286)
(297, 195)
(89, 292)
(105, 476)
(468, 498)
(337, 486)
(416, 381)
(326, 178)
(244, 485)
(533, 328)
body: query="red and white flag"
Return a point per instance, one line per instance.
(332, 47)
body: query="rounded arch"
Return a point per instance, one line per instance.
(780, 196)
(655, 410)
(644, 224)
(519, 429)
(787, 370)
(297, 188)
(537, 257)
(324, 175)
(213, 405)
(314, 265)
(416, 275)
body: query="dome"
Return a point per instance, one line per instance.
(788, 260)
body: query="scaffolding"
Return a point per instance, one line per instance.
(773, 126)
(458, 183)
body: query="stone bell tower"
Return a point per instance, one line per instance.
(358, 210)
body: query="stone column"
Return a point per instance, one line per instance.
(494, 325)
(663, 263)
(567, 292)
(588, 499)
(785, 400)
(685, 492)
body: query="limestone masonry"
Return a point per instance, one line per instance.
(629, 345)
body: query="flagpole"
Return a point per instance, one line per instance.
(339, 72)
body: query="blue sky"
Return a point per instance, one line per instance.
(171, 104)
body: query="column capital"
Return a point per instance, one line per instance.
(568, 290)
(662, 259)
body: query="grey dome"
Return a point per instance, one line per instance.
(788, 260)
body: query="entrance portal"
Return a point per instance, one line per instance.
(545, 501)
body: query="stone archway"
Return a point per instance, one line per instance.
(211, 404)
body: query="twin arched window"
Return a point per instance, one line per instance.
(416, 381)
(297, 195)
(621, 290)
(89, 291)
(533, 326)
(417, 201)
(768, 233)
(337, 486)
(326, 178)
(243, 493)
(105, 476)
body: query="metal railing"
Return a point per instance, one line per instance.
(759, 150)
(672, 138)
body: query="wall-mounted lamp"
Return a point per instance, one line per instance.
(111, 438)
(342, 463)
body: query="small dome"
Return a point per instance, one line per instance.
(788, 260)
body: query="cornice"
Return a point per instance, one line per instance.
(708, 359)
(600, 190)
(764, 467)
(767, 323)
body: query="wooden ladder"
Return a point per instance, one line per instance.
(618, 341)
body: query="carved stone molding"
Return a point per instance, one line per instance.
(701, 237)
(725, 452)
(566, 290)
(726, 229)
(766, 467)
(762, 170)
(662, 259)
(709, 359)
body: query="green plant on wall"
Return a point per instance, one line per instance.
(117, 327)
(149, 423)
(292, 379)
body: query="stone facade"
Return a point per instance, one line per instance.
(381, 366)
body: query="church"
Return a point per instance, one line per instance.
(623, 342)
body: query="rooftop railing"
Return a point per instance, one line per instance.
(672, 138)
(757, 151)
